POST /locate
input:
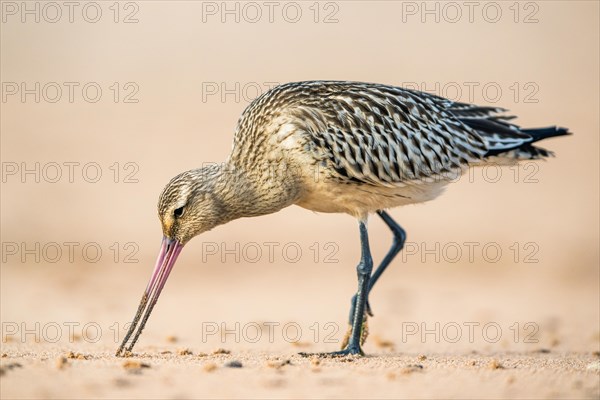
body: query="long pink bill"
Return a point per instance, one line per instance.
(169, 251)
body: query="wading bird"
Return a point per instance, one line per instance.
(335, 147)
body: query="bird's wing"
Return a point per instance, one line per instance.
(384, 135)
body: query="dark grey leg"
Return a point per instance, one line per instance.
(363, 270)
(397, 245)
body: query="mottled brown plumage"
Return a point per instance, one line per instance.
(344, 147)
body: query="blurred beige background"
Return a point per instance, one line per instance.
(175, 63)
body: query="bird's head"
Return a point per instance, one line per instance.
(188, 205)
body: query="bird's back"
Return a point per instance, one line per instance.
(375, 136)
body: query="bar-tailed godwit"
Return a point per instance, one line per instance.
(335, 147)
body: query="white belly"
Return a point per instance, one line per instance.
(359, 200)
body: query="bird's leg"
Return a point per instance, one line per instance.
(397, 245)
(363, 270)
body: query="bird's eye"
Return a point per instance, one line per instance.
(178, 212)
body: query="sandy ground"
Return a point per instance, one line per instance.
(408, 355)
(268, 375)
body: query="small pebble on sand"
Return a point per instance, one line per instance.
(221, 351)
(382, 343)
(277, 364)
(233, 364)
(61, 362)
(134, 366)
(75, 337)
(120, 382)
(543, 351)
(315, 363)
(209, 367)
(300, 344)
(495, 364)
(184, 352)
(172, 339)
(9, 366)
(77, 356)
(409, 369)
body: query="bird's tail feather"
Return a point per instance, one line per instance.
(528, 151)
(509, 141)
(545, 133)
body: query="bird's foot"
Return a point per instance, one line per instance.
(347, 352)
(364, 332)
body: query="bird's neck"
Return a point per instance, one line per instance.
(249, 192)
